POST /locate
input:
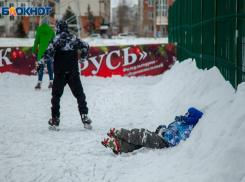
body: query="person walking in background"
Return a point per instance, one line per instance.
(44, 34)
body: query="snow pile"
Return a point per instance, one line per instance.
(16, 42)
(213, 153)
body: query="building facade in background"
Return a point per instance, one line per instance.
(99, 8)
(146, 17)
(8, 23)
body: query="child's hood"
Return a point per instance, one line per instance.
(193, 117)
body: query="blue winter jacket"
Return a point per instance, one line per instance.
(181, 129)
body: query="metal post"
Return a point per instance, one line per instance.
(41, 16)
(236, 47)
(192, 28)
(154, 13)
(215, 31)
(160, 6)
(201, 34)
(76, 3)
(33, 20)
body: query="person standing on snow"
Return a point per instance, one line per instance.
(65, 46)
(44, 34)
(124, 141)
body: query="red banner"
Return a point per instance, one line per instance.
(140, 60)
(105, 61)
(17, 60)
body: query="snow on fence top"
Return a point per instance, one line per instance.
(18, 42)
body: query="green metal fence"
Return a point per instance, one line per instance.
(213, 33)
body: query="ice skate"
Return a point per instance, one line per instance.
(53, 125)
(38, 86)
(50, 85)
(112, 144)
(86, 121)
(112, 134)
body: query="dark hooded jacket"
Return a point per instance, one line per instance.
(65, 46)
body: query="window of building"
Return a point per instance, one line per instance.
(11, 18)
(2, 31)
(163, 30)
(150, 15)
(11, 30)
(1, 4)
(150, 28)
(11, 5)
(150, 3)
(162, 9)
(30, 26)
(162, 1)
(23, 5)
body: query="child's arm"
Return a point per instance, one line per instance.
(48, 54)
(84, 48)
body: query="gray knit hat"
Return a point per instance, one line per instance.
(44, 20)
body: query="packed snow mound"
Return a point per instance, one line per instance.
(213, 153)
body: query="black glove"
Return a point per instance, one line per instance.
(81, 60)
(159, 128)
(178, 118)
(40, 66)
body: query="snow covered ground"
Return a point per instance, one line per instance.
(215, 151)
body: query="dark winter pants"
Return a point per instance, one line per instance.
(130, 140)
(74, 82)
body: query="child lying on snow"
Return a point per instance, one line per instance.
(124, 141)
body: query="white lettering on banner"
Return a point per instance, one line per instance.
(96, 64)
(85, 65)
(7, 61)
(108, 60)
(126, 56)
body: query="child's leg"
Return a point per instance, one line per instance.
(141, 137)
(40, 75)
(50, 70)
(57, 91)
(126, 147)
(76, 87)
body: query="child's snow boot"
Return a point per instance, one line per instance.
(111, 143)
(86, 121)
(54, 124)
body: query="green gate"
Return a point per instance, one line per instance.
(213, 33)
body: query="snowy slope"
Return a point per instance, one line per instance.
(214, 152)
